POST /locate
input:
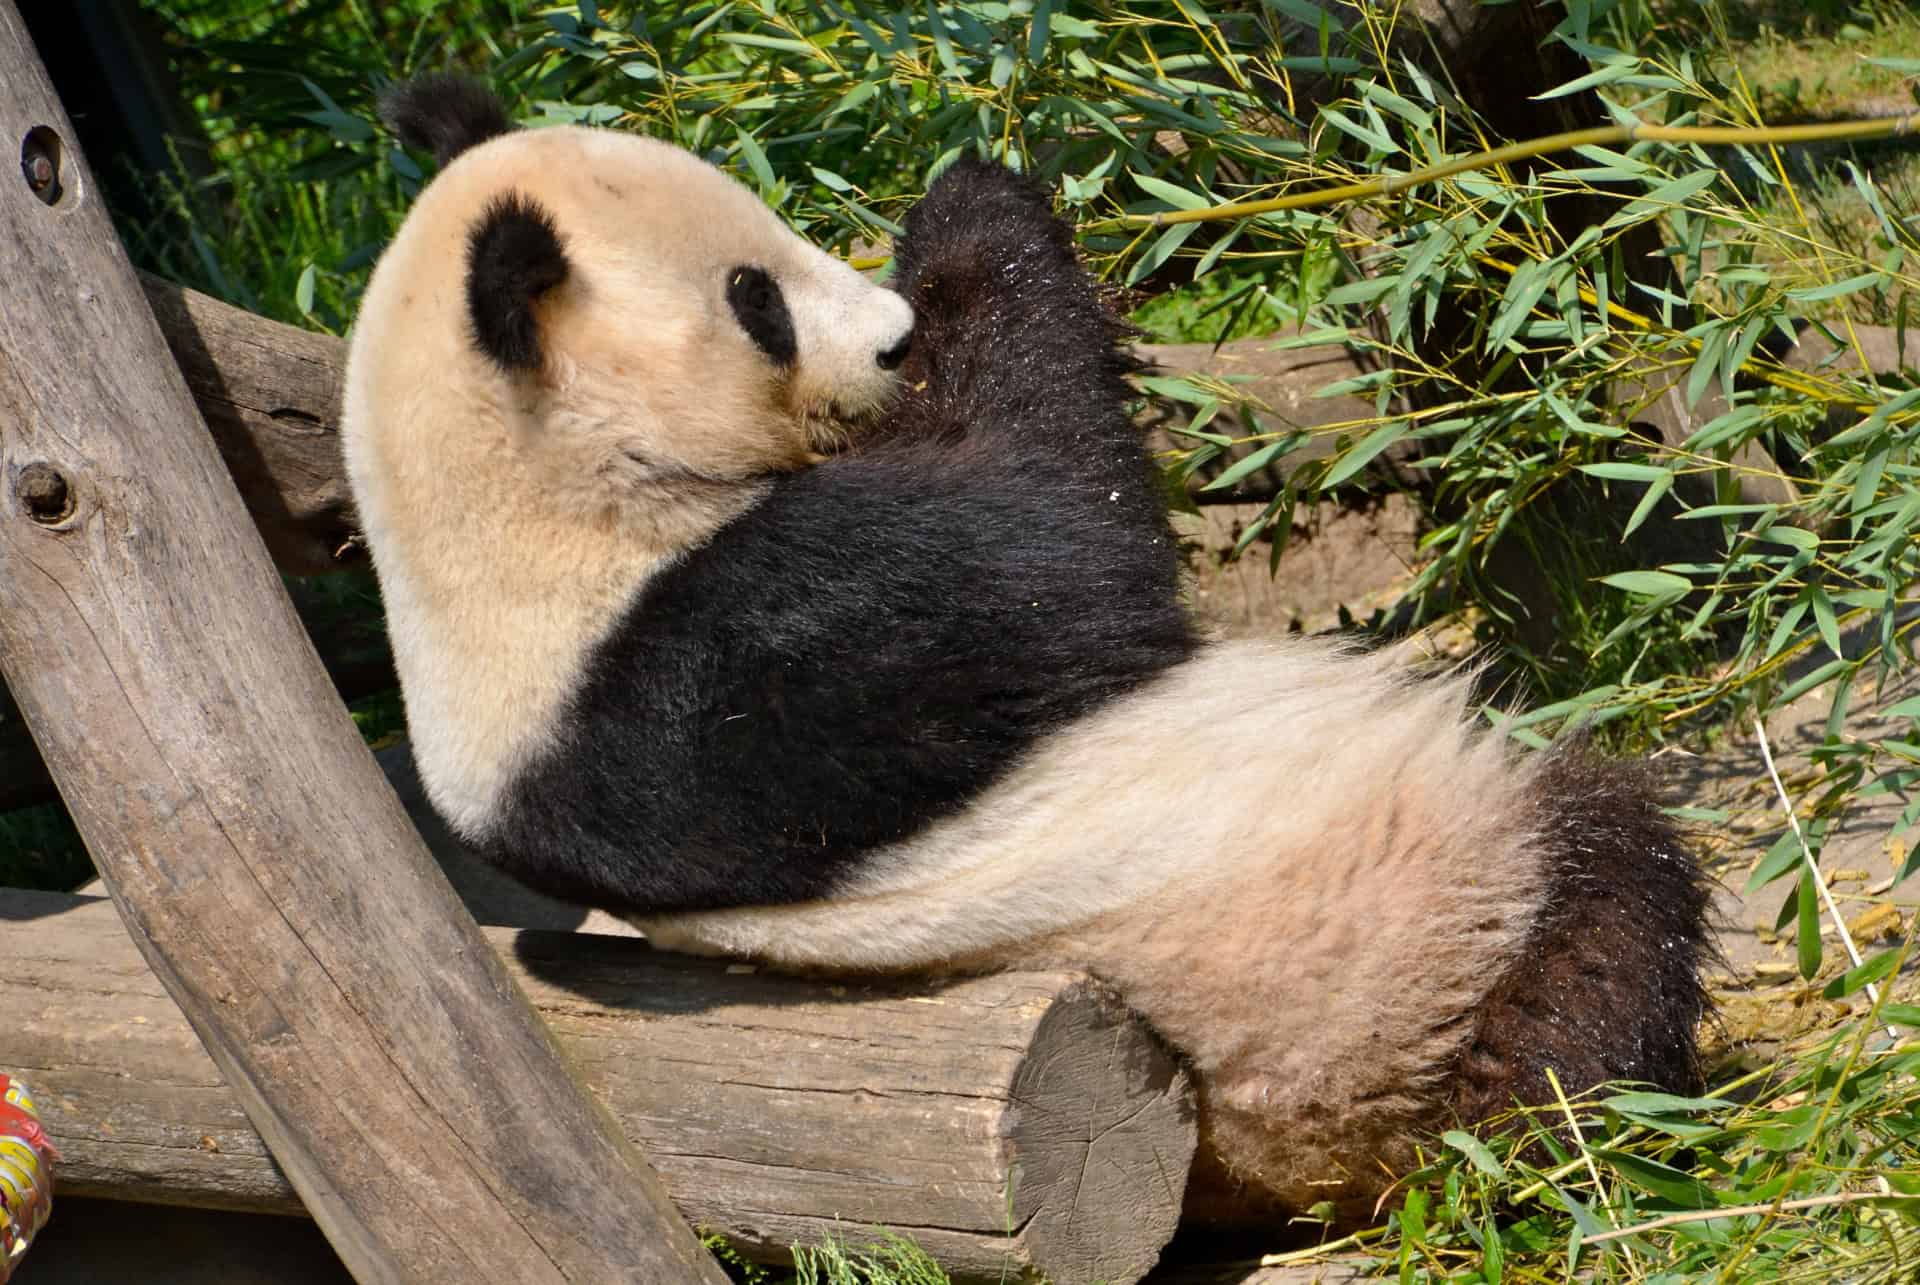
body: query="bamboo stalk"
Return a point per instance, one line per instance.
(1599, 136)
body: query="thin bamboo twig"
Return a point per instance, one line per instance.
(1599, 136)
(1736, 1211)
(1813, 867)
(1580, 1141)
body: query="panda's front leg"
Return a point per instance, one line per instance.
(1012, 337)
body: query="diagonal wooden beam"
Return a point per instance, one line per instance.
(260, 862)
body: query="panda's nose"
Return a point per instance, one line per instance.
(892, 357)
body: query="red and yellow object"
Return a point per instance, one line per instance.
(26, 1175)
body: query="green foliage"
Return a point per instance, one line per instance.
(888, 1260)
(287, 212)
(1775, 1177)
(1233, 302)
(891, 1260)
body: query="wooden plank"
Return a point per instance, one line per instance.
(262, 865)
(1005, 1122)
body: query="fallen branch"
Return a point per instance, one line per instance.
(263, 868)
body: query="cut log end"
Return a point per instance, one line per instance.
(1102, 1130)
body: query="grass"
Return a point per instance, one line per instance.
(887, 1259)
(1801, 1170)
(1816, 219)
(1820, 67)
(1244, 299)
(298, 198)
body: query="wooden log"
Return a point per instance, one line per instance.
(1007, 1122)
(263, 867)
(270, 394)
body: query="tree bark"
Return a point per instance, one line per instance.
(263, 867)
(1006, 1122)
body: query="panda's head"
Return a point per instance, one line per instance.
(617, 315)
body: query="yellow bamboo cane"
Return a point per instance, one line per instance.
(1601, 136)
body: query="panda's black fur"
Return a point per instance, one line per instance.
(1607, 986)
(444, 114)
(514, 256)
(878, 643)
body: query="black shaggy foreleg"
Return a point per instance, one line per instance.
(1014, 345)
(1608, 986)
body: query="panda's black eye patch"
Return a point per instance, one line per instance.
(761, 309)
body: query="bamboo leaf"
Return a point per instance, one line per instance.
(1824, 618)
(756, 160)
(1369, 446)
(1807, 933)
(1179, 198)
(1878, 968)
(1253, 463)
(1040, 32)
(1374, 140)
(1834, 289)
(1649, 584)
(1662, 199)
(1476, 1151)
(1648, 503)
(1523, 291)
(1625, 472)
(1665, 1181)
(1161, 250)
(1593, 79)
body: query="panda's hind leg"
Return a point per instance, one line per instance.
(1608, 986)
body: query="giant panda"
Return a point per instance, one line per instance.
(838, 626)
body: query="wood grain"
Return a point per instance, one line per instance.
(1005, 1122)
(270, 395)
(261, 864)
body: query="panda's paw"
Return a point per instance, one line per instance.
(981, 215)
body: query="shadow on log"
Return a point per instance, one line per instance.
(1007, 1122)
(270, 394)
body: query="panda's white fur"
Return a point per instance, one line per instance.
(930, 703)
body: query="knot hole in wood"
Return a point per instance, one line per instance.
(42, 164)
(44, 493)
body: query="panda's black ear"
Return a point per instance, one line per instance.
(444, 114)
(514, 256)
